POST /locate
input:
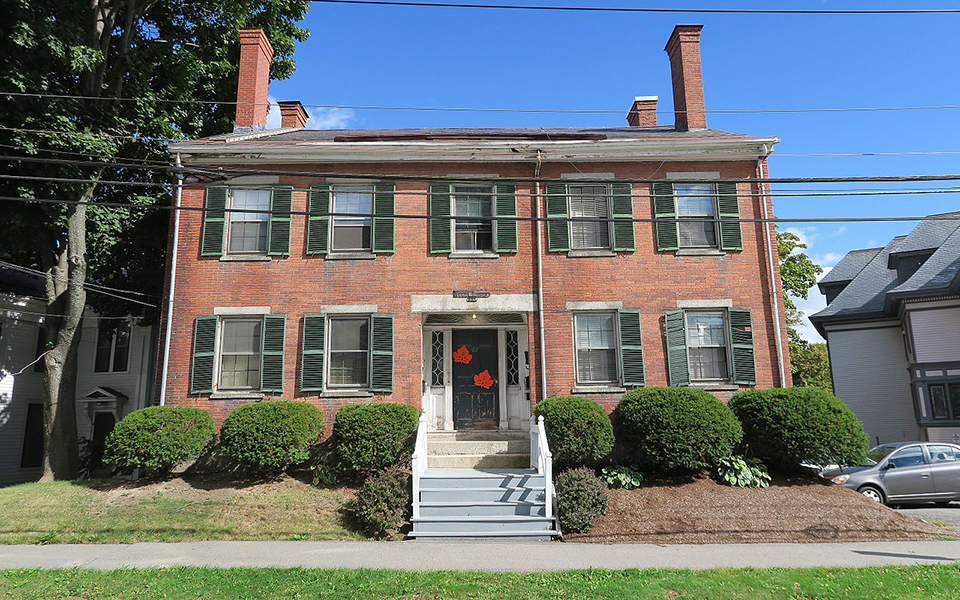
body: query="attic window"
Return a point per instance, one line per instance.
(908, 265)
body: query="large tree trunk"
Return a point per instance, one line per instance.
(66, 299)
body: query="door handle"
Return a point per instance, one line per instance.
(925, 475)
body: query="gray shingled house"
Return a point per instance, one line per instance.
(892, 324)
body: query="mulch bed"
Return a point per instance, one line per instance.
(701, 511)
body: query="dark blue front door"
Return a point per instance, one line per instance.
(475, 379)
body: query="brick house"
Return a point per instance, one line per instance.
(410, 266)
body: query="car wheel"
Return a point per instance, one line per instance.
(872, 493)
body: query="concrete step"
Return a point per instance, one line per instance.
(477, 435)
(478, 461)
(483, 494)
(449, 447)
(537, 536)
(482, 509)
(468, 526)
(446, 479)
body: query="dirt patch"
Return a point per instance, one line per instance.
(701, 511)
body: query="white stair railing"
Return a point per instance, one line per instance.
(541, 459)
(419, 463)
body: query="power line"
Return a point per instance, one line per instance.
(87, 285)
(584, 111)
(501, 218)
(115, 160)
(620, 9)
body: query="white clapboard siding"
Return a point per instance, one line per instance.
(870, 375)
(936, 334)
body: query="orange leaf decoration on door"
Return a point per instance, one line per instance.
(483, 380)
(462, 355)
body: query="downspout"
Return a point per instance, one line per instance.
(540, 320)
(173, 283)
(774, 289)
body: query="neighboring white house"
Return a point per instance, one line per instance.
(892, 325)
(115, 364)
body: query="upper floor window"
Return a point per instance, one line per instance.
(113, 347)
(945, 401)
(476, 233)
(248, 221)
(596, 348)
(707, 346)
(589, 201)
(695, 202)
(349, 351)
(240, 354)
(352, 218)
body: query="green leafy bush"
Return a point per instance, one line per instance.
(371, 437)
(788, 426)
(675, 428)
(581, 499)
(737, 472)
(158, 437)
(578, 430)
(382, 503)
(622, 477)
(271, 435)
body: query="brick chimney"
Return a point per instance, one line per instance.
(643, 113)
(255, 56)
(292, 114)
(684, 51)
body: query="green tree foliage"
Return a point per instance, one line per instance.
(811, 365)
(158, 54)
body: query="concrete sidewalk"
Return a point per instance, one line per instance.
(475, 555)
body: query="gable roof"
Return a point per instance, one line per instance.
(849, 266)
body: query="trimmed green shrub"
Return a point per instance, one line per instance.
(371, 437)
(273, 434)
(789, 426)
(382, 503)
(578, 430)
(581, 499)
(675, 428)
(158, 437)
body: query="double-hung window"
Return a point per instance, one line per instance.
(113, 347)
(248, 220)
(945, 401)
(349, 352)
(590, 201)
(240, 354)
(707, 346)
(352, 218)
(595, 338)
(473, 209)
(696, 202)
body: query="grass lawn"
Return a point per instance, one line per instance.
(173, 510)
(939, 581)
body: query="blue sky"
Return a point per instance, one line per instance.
(533, 59)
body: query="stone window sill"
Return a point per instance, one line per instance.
(590, 253)
(237, 395)
(351, 256)
(716, 387)
(598, 389)
(245, 258)
(700, 252)
(350, 393)
(482, 255)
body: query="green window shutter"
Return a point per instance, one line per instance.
(381, 353)
(318, 222)
(665, 207)
(383, 220)
(278, 233)
(623, 217)
(505, 205)
(677, 367)
(440, 228)
(558, 232)
(211, 241)
(272, 341)
(631, 348)
(741, 340)
(728, 209)
(311, 369)
(204, 354)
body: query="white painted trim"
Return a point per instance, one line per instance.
(645, 98)
(718, 303)
(241, 310)
(495, 303)
(920, 305)
(346, 309)
(865, 325)
(706, 175)
(584, 176)
(605, 305)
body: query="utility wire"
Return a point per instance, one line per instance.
(92, 287)
(586, 111)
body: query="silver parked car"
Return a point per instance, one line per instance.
(907, 471)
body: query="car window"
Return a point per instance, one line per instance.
(911, 456)
(877, 454)
(942, 454)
